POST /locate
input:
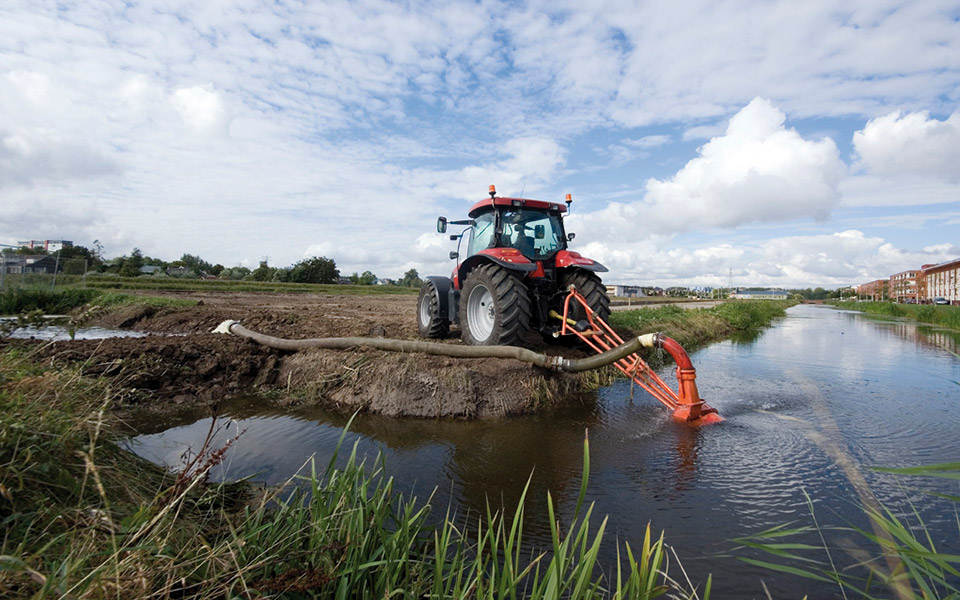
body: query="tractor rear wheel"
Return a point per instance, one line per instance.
(429, 322)
(591, 288)
(494, 307)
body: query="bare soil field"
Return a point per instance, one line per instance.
(184, 363)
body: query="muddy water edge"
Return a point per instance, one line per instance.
(811, 404)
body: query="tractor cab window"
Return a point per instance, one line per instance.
(535, 234)
(482, 236)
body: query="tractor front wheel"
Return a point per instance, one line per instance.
(429, 322)
(494, 307)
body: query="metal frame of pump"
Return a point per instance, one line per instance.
(685, 405)
(542, 274)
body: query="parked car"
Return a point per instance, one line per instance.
(941, 301)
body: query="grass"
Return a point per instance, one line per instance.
(84, 519)
(696, 327)
(944, 316)
(904, 564)
(28, 299)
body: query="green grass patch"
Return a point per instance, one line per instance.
(695, 327)
(29, 299)
(944, 316)
(85, 519)
(22, 300)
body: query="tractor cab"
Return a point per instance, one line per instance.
(537, 233)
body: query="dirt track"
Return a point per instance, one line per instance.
(194, 366)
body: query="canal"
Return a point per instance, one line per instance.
(810, 405)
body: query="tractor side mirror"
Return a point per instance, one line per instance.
(570, 236)
(454, 255)
(441, 224)
(539, 232)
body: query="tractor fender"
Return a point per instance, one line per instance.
(445, 296)
(568, 259)
(478, 259)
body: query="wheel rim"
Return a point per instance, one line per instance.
(425, 309)
(480, 313)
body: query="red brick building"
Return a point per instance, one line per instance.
(875, 290)
(903, 287)
(940, 281)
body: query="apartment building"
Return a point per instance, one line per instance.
(941, 281)
(903, 287)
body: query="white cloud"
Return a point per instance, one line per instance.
(758, 171)
(202, 109)
(647, 141)
(911, 145)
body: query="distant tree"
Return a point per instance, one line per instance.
(194, 263)
(130, 266)
(368, 278)
(318, 269)
(411, 279)
(235, 273)
(216, 269)
(263, 272)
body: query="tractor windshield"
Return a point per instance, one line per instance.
(536, 234)
(482, 236)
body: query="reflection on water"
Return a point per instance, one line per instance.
(822, 387)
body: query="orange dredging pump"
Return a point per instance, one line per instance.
(685, 405)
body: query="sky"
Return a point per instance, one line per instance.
(705, 143)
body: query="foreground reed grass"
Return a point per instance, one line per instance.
(904, 563)
(696, 327)
(945, 316)
(84, 519)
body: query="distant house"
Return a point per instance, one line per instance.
(383, 281)
(27, 264)
(625, 291)
(180, 272)
(151, 269)
(759, 295)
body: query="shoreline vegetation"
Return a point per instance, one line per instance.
(943, 316)
(696, 327)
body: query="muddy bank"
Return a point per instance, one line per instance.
(196, 367)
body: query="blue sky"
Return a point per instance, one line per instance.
(792, 144)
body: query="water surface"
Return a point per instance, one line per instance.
(810, 404)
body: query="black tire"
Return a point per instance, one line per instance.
(429, 322)
(591, 288)
(494, 308)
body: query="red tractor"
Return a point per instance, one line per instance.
(516, 270)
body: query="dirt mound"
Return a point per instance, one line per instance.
(193, 366)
